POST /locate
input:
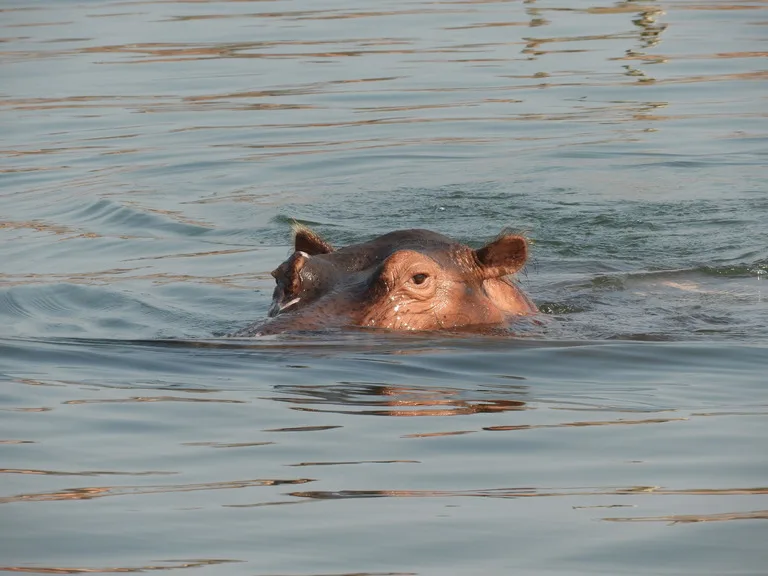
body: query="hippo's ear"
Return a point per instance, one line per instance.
(505, 255)
(304, 240)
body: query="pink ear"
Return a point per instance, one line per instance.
(304, 240)
(505, 255)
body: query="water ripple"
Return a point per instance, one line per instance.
(524, 492)
(164, 565)
(93, 492)
(155, 156)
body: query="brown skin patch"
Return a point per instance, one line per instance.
(406, 294)
(404, 280)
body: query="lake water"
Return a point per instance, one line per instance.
(152, 158)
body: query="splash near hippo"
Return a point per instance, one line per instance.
(403, 280)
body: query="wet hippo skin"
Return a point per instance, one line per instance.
(403, 280)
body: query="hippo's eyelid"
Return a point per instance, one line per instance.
(274, 273)
(419, 278)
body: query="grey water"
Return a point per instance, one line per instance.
(152, 158)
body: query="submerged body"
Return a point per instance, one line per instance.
(404, 280)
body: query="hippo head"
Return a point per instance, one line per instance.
(404, 280)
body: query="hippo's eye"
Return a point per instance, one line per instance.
(419, 278)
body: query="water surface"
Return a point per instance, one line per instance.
(152, 158)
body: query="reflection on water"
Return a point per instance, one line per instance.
(519, 493)
(396, 401)
(101, 492)
(153, 157)
(688, 518)
(588, 423)
(166, 565)
(86, 473)
(151, 399)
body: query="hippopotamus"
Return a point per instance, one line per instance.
(403, 280)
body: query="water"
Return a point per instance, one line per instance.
(152, 157)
